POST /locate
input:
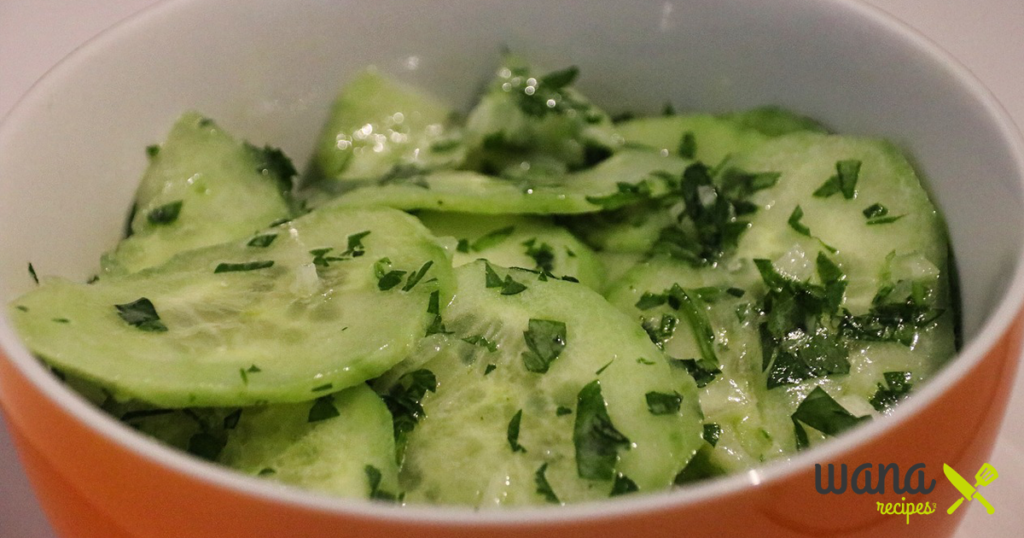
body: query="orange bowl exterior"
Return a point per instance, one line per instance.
(93, 487)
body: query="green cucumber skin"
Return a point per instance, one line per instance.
(570, 256)
(289, 319)
(223, 193)
(448, 462)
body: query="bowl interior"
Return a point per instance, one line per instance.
(72, 152)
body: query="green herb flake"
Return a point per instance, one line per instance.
(545, 340)
(267, 471)
(660, 330)
(386, 278)
(688, 145)
(492, 239)
(885, 220)
(562, 410)
(22, 308)
(434, 307)
(489, 368)
(492, 279)
(662, 403)
(848, 171)
(543, 255)
(794, 222)
(623, 485)
(323, 409)
(244, 375)
(511, 287)
(701, 372)
(479, 340)
(645, 362)
(603, 368)
(242, 267)
(897, 386)
(463, 246)
(165, 214)
(355, 244)
(254, 369)
(32, 273)
(626, 194)
(696, 315)
(821, 412)
(325, 386)
(700, 467)
(152, 150)
(543, 487)
(828, 188)
(141, 314)
(513, 432)
(875, 210)
(61, 320)
(262, 241)
(651, 300)
(597, 441)
(712, 432)
(417, 276)
(403, 401)
(373, 478)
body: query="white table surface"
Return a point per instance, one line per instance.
(986, 35)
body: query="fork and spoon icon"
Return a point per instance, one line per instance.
(985, 476)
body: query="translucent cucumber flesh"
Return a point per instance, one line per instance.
(459, 453)
(202, 187)
(288, 319)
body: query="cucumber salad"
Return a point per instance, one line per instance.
(531, 303)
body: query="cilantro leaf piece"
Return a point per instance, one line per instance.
(415, 278)
(355, 244)
(511, 287)
(875, 210)
(434, 307)
(897, 386)
(513, 432)
(892, 319)
(141, 314)
(463, 246)
(373, 477)
(262, 241)
(828, 188)
(543, 487)
(243, 267)
(712, 432)
(165, 214)
(557, 80)
(545, 340)
(603, 368)
(489, 368)
(701, 372)
(323, 409)
(696, 315)
(492, 278)
(794, 222)
(274, 163)
(562, 411)
(650, 300)
(152, 150)
(740, 185)
(819, 411)
(626, 194)
(623, 485)
(885, 220)
(699, 468)
(661, 403)
(492, 239)
(597, 441)
(688, 145)
(32, 273)
(848, 171)
(479, 340)
(390, 280)
(660, 330)
(231, 420)
(543, 255)
(404, 402)
(266, 471)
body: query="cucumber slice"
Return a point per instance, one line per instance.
(326, 445)
(317, 320)
(470, 192)
(462, 451)
(536, 120)
(378, 125)
(774, 121)
(713, 138)
(202, 188)
(511, 241)
(903, 256)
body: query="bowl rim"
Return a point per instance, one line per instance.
(996, 326)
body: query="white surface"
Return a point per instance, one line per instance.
(986, 35)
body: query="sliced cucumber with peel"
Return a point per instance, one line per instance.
(267, 328)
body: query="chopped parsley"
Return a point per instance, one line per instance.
(231, 420)
(32, 273)
(875, 210)
(688, 145)
(645, 362)
(479, 340)
(205, 445)
(508, 285)
(152, 150)
(323, 409)
(897, 386)
(821, 412)
(492, 239)
(373, 477)
(844, 181)
(626, 194)
(387, 278)
(513, 432)
(272, 162)
(267, 471)
(603, 368)
(489, 368)
(543, 255)
(562, 411)
(165, 214)
(660, 330)
(543, 487)
(463, 246)
(701, 372)
(403, 401)
(141, 314)
(662, 403)
(325, 386)
(415, 278)
(794, 222)
(596, 439)
(241, 267)
(885, 220)
(262, 241)
(699, 468)
(355, 244)
(434, 307)
(712, 432)
(545, 340)
(623, 485)
(898, 312)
